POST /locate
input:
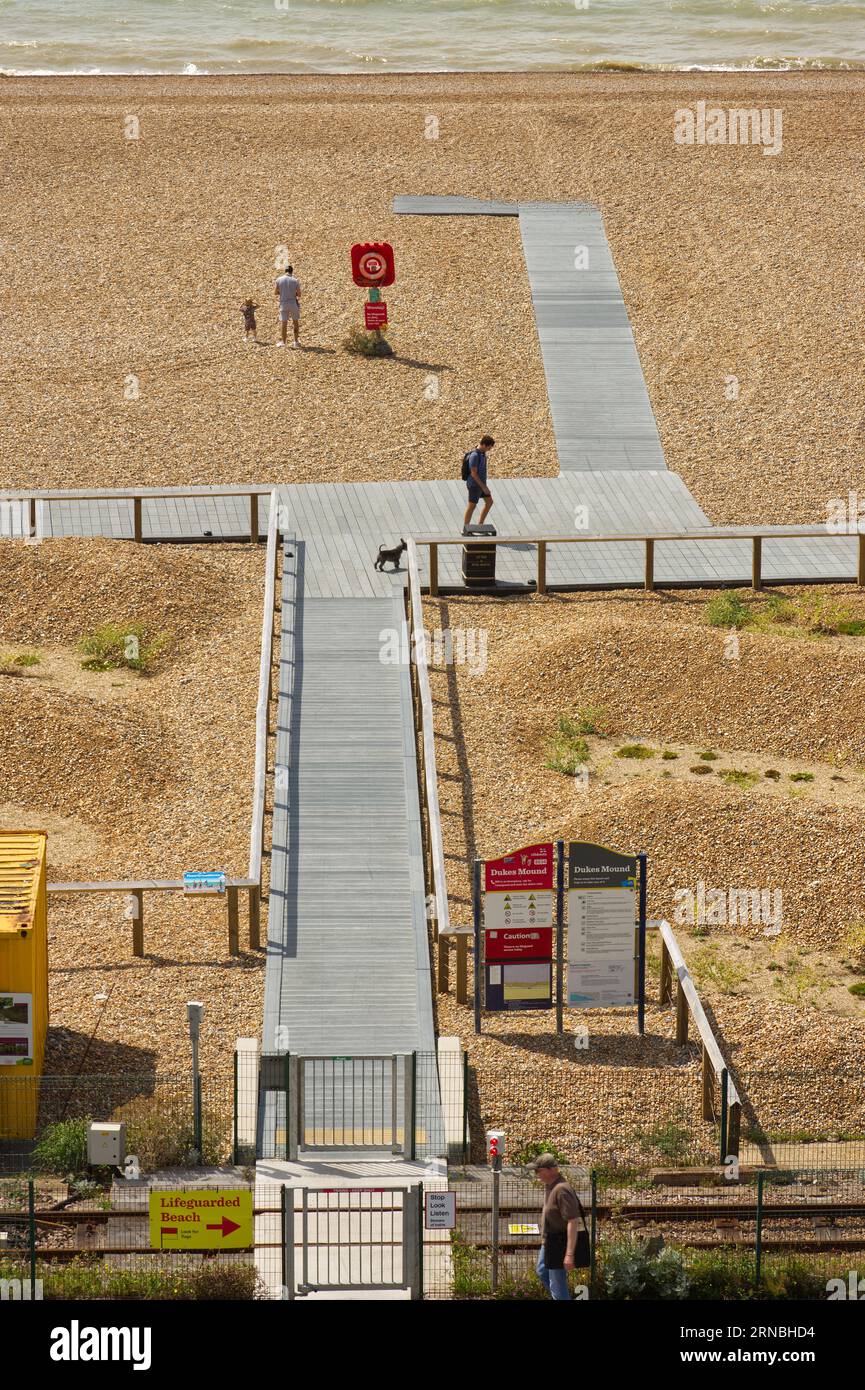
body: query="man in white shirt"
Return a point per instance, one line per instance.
(288, 293)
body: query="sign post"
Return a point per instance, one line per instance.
(560, 932)
(602, 925)
(440, 1211)
(198, 881)
(372, 266)
(641, 949)
(201, 1219)
(517, 930)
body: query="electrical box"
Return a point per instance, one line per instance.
(106, 1145)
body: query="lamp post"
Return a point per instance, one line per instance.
(195, 1013)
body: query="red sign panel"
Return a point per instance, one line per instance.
(372, 263)
(516, 943)
(375, 315)
(529, 867)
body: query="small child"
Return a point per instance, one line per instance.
(248, 309)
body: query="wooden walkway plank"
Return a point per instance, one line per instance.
(433, 206)
(598, 408)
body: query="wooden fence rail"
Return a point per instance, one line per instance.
(136, 888)
(137, 496)
(755, 535)
(689, 1006)
(434, 858)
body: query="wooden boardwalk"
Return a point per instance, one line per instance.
(601, 412)
(344, 524)
(347, 955)
(602, 416)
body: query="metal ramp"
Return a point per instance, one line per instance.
(348, 967)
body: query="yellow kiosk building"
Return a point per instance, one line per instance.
(23, 978)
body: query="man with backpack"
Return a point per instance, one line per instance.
(474, 475)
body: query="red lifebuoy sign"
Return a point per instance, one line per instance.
(372, 263)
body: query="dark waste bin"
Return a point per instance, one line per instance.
(479, 564)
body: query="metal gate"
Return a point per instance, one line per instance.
(344, 1239)
(316, 1104)
(355, 1103)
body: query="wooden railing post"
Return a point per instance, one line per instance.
(542, 567)
(136, 519)
(462, 969)
(860, 574)
(756, 562)
(666, 986)
(253, 516)
(681, 1015)
(649, 579)
(444, 958)
(255, 917)
(433, 570)
(734, 1129)
(33, 519)
(233, 928)
(708, 1087)
(138, 923)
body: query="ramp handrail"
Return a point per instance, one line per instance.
(418, 662)
(265, 672)
(137, 887)
(137, 496)
(688, 1002)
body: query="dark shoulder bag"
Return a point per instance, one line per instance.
(556, 1243)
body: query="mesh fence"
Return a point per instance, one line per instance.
(800, 1119)
(621, 1117)
(782, 1223)
(75, 1243)
(767, 1237)
(43, 1120)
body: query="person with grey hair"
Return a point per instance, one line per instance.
(563, 1217)
(288, 293)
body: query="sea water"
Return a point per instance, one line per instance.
(315, 36)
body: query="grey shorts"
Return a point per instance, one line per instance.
(289, 311)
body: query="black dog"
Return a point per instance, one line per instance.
(392, 555)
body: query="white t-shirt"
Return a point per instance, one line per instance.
(288, 287)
